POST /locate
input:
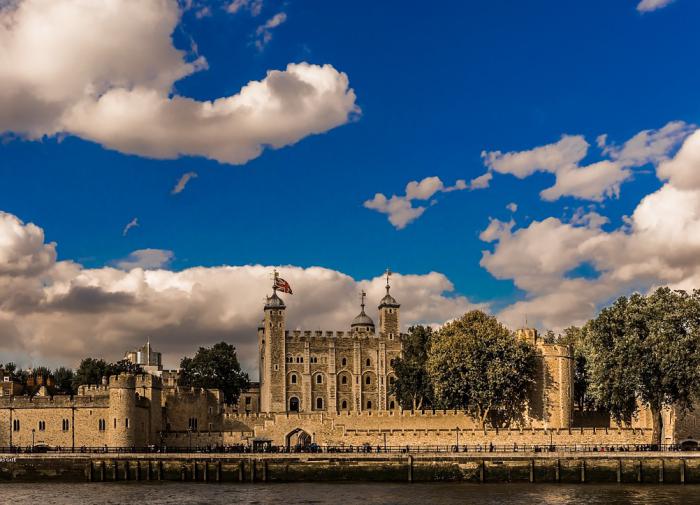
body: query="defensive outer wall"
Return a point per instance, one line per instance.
(554, 467)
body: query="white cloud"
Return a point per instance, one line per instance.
(122, 93)
(658, 245)
(252, 6)
(182, 182)
(264, 32)
(512, 206)
(131, 224)
(400, 209)
(148, 259)
(652, 5)
(598, 180)
(58, 311)
(22, 248)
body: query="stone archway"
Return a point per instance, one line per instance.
(297, 438)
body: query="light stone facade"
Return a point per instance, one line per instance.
(328, 371)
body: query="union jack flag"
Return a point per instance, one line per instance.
(282, 285)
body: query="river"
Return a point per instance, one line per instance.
(344, 494)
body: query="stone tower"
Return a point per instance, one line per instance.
(272, 347)
(551, 400)
(122, 410)
(389, 314)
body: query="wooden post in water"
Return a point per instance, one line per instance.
(115, 470)
(148, 470)
(126, 470)
(103, 471)
(410, 468)
(206, 471)
(661, 472)
(482, 471)
(557, 471)
(160, 469)
(241, 472)
(639, 471)
(183, 474)
(583, 471)
(264, 470)
(532, 470)
(138, 470)
(88, 471)
(194, 471)
(218, 471)
(682, 471)
(619, 470)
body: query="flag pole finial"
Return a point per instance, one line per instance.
(388, 275)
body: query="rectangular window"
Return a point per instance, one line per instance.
(15, 425)
(126, 422)
(115, 423)
(102, 424)
(42, 425)
(65, 425)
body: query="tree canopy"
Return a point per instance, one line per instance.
(476, 364)
(412, 388)
(645, 349)
(91, 370)
(215, 367)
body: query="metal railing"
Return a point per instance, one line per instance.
(358, 449)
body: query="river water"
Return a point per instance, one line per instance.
(344, 494)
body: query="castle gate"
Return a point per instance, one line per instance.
(297, 438)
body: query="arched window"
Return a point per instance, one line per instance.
(294, 404)
(391, 380)
(369, 404)
(319, 403)
(368, 380)
(368, 362)
(343, 379)
(344, 362)
(344, 405)
(319, 379)
(293, 378)
(392, 405)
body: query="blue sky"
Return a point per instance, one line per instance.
(436, 86)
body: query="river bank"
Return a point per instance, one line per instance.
(517, 467)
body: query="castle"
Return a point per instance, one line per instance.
(325, 387)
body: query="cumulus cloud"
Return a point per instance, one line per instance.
(58, 311)
(400, 209)
(595, 181)
(569, 269)
(182, 182)
(263, 33)
(122, 93)
(512, 206)
(148, 259)
(131, 224)
(652, 5)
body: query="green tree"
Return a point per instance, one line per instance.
(215, 367)
(645, 349)
(90, 371)
(63, 380)
(575, 337)
(476, 364)
(412, 387)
